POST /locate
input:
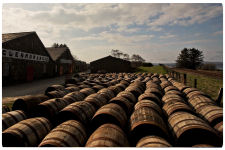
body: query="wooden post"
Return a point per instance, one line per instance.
(220, 95)
(185, 78)
(195, 83)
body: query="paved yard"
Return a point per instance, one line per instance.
(35, 87)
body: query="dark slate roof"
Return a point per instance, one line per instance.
(110, 57)
(11, 36)
(55, 53)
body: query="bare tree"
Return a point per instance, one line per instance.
(126, 57)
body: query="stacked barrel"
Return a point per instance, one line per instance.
(190, 127)
(114, 110)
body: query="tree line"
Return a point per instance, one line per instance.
(191, 58)
(119, 54)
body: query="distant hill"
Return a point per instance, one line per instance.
(219, 65)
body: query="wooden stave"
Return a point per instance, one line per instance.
(27, 103)
(128, 95)
(18, 136)
(72, 134)
(150, 104)
(153, 141)
(11, 118)
(213, 114)
(112, 113)
(108, 132)
(81, 111)
(174, 106)
(150, 96)
(199, 130)
(142, 123)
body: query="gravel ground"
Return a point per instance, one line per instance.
(31, 88)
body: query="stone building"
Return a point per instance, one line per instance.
(110, 64)
(24, 58)
(63, 60)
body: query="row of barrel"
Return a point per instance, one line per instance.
(116, 110)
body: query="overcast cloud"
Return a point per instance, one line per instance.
(156, 31)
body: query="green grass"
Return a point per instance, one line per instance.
(154, 69)
(208, 85)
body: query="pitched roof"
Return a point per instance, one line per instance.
(55, 53)
(110, 57)
(11, 36)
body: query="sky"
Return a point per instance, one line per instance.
(157, 32)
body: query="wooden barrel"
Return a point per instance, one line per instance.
(175, 106)
(11, 118)
(83, 86)
(175, 92)
(180, 86)
(26, 133)
(155, 75)
(77, 95)
(135, 90)
(115, 89)
(165, 84)
(125, 82)
(107, 93)
(97, 88)
(191, 130)
(150, 96)
(146, 121)
(153, 141)
(97, 100)
(81, 111)
(188, 90)
(72, 88)
(56, 94)
(147, 79)
(128, 95)
(54, 88)
(155, 91)
(196, 93)
(51, 108)
(172, 97)
(87, 91)
(138, 84)
(151, 84)
(68, 85)
(68, 134)
(5, 109)
(122, 86)
(108, 135)
(219, 127)
(213, 114)
(124, 103)
(149, 104)
(199, 101)
(202, 145)
(28, 103)
(156, 80)
(110, 113)
(171, 87)
(74, 96)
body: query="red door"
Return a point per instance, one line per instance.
(30, 73)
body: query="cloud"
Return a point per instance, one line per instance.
(186, 14)
(220, 32)
(99, 27)
(167, 36)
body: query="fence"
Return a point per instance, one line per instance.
(213, 90)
